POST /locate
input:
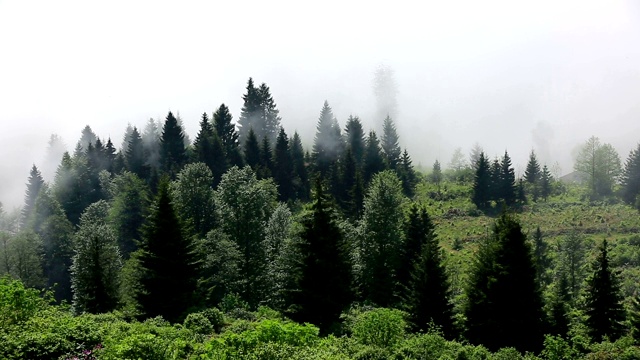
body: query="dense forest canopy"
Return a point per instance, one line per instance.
(248, 219)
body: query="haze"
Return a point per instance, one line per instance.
(541, 75)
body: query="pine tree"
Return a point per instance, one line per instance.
(283, 167)
(373, 160)
(325, 271)
(355, 140)
(301, 184)
(571, 255)
(603, 299)
(173, 154)
(504, 306)
(228, 135)
(327, 144)
(95, 271)
(390, 145)
(167, 260)
(429, 290)
(482, 183)
(34, 184)
(630, 179)
(252, 151)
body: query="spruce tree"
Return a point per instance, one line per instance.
(507, 181)
(167, 260)
(283, 167)
(110, 157)
(541, 257)
(250, 113)
(228, 135)
(436, 174)
(630, 179)
(482, 183)
(151, 145)
(51, 224)
(202, 145)
(327, 144)
(34, 184)
(407, 175)
(545, 183)
(134, 158)
(252, 151)
(173, 154)
(532, 175)
(429, 289)
(390, 145)
(301, 184)
(266, 160)
(324, 285)
(603, 299)
(504, 305)
(559, 314)
(348, 173)
(354, 135)
(634, 318)
(373, 160)
(269, 115)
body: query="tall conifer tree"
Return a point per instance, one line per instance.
(604, 310)
(167, 260)
(325, 272)
(173, 154)
(504, 305)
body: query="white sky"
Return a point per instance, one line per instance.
(508, 74)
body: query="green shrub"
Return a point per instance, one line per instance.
(17, 303)
(198, 323)
(379, 327)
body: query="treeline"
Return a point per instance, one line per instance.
(166, 228)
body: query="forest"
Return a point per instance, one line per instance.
(247, 243)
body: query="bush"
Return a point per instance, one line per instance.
(198, 323)
(379, 327)
(17, 303)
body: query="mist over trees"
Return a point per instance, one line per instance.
(249, 216)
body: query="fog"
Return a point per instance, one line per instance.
(510, 76)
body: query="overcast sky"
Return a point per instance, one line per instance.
(541, 75)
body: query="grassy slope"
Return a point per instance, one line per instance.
(459, 226)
